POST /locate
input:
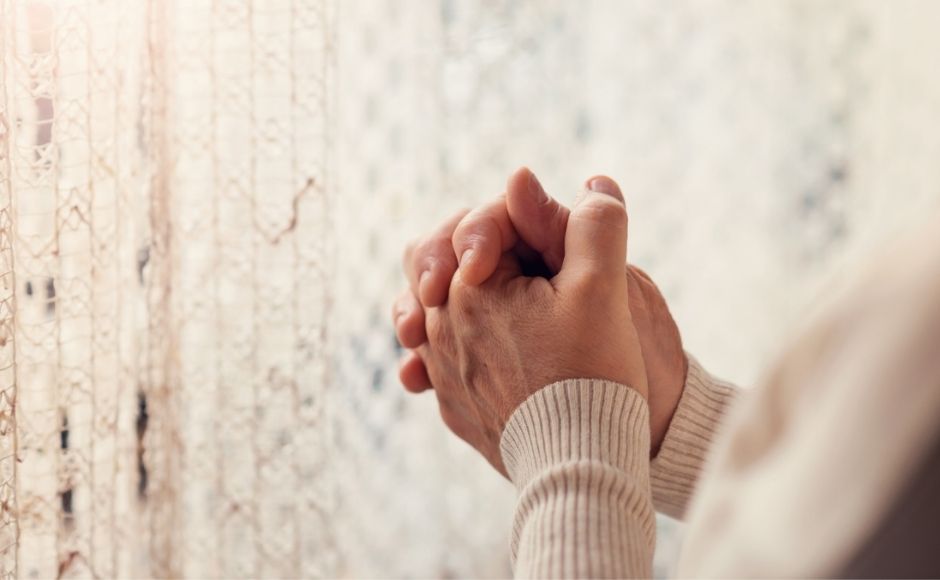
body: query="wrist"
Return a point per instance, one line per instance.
(576, 420)
(664, 402)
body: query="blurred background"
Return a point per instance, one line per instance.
(204, 204)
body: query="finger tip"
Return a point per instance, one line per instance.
(413, 374)
(521, 175)
(410, 330)
(525, 181)
(605, 185)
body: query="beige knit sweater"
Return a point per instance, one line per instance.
(796, 479)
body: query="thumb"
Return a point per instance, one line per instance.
(538, 219)
(596, 237)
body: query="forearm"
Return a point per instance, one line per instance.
(675, 471)
(578, 453)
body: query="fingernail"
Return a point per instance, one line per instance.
(422, 279)
(606, 186)
(465, 258)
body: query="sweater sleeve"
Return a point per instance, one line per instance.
(675, 470)
(578, 453)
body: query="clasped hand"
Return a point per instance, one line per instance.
(521, 293)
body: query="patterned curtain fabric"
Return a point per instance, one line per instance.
(164, 253)
(203, 205)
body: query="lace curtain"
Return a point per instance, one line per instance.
(165, 235)
(203, 203)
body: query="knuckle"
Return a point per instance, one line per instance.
(486, 224)
(605, 211)
(434, 326)
(422, 250)
(478, 222)
(467, 309)
(591, 286)
(582, 287)
(436, 247)
(436, 250)
(439, 333)
(471, 230)
(464, 299)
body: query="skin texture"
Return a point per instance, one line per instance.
(493, 344)
(528, 226)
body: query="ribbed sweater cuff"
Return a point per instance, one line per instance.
(676, 469)
(578, 451)
(574, 420)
